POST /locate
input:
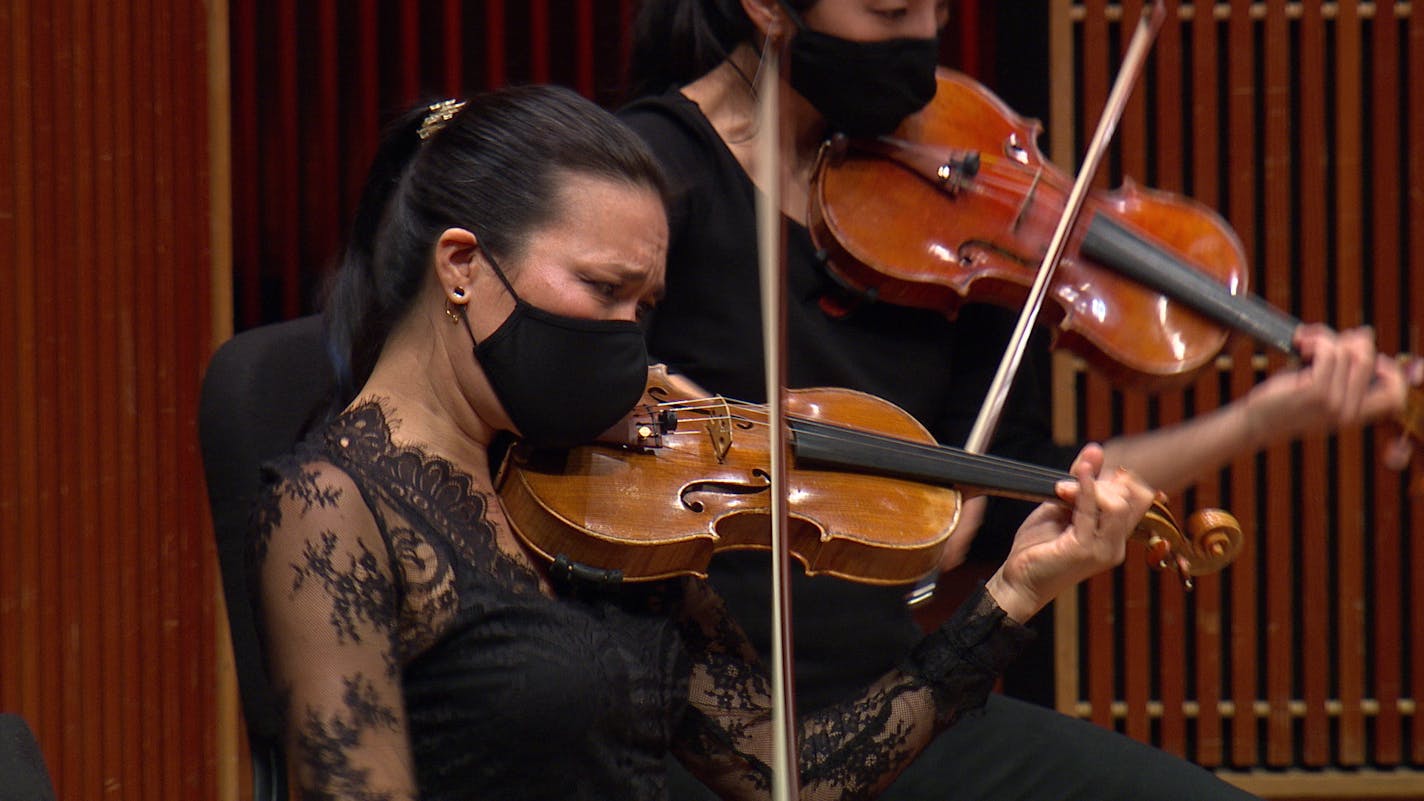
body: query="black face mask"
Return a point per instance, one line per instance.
(862, 88)
(563, 380)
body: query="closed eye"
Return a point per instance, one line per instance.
(604, 289)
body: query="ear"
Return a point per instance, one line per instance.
(457, 262)
(768, 16)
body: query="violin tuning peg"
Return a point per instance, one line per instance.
(969, 165)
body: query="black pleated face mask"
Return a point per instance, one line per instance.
(862, 88)
(562, 380)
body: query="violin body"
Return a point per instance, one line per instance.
(959, 205)
(661, 503)
(872, 497)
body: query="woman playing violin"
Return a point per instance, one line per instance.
(503, 251)
(859, 67)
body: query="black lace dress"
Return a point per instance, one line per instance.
(410, 634)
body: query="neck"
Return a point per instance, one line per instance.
(416, 379)
(726, 97)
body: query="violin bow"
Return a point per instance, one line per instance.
(1133, 62)
(988, 420)
(771, 229)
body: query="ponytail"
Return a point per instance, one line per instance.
(356, 323)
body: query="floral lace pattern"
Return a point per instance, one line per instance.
(416, 647)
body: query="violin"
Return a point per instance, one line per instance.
(873, 498)
(958, 205)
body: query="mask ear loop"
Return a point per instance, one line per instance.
(752, 89)
(508, 287)
(499, 273)
(793, 14)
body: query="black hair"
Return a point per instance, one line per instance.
(493, 168)
(678, 41)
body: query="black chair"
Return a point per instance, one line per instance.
(262, 390)
(23, 776)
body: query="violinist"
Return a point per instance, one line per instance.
(860, 67)
(502, 252)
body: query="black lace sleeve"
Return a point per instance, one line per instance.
(326, 591)
(848, 751)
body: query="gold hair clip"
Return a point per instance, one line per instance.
(440, 113)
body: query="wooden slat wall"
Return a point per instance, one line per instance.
(1299, 122)
(313, 81)
(107, 576)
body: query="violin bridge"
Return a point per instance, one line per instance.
(1028, 199)
(719, 431)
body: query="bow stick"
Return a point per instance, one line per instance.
(993, 407)
(772, 268)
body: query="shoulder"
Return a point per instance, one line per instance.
(306, 498)
(676, 131)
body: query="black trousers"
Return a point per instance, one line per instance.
(1015, 751)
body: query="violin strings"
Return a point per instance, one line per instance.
(1002, 181)
(1000, 173)
(941, 454)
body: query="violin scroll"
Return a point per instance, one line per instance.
(1211, 541)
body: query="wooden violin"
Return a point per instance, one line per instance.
(872, 497)
(958, 205)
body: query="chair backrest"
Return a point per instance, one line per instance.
(262, 390)
(23, 776)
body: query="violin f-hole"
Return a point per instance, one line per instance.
(721, 487)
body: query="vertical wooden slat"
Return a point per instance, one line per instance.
(106, 418)
(50, 182)
(11, 638)
(966, 20)
(246, 207)
(147, 344)
(282, 156)
(21, 678)
(188, 329)
(454, 50)
(366, 117)
(408, 53)
(323, 140)
(61, 467)
(1276, 260)
(1205, 188)
(1171, 630)
(1101, 608)
(1349, 304)
(165, 300)
(1069, 664)
(126, 246)
(233, 769)
(40, 617)
(1137, 594)
(84, 487)
(1316, 490)
(1241, 203)
(1388, 229)
(1415, 344)
(583, 47)
(494, 44)
(539, 40)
